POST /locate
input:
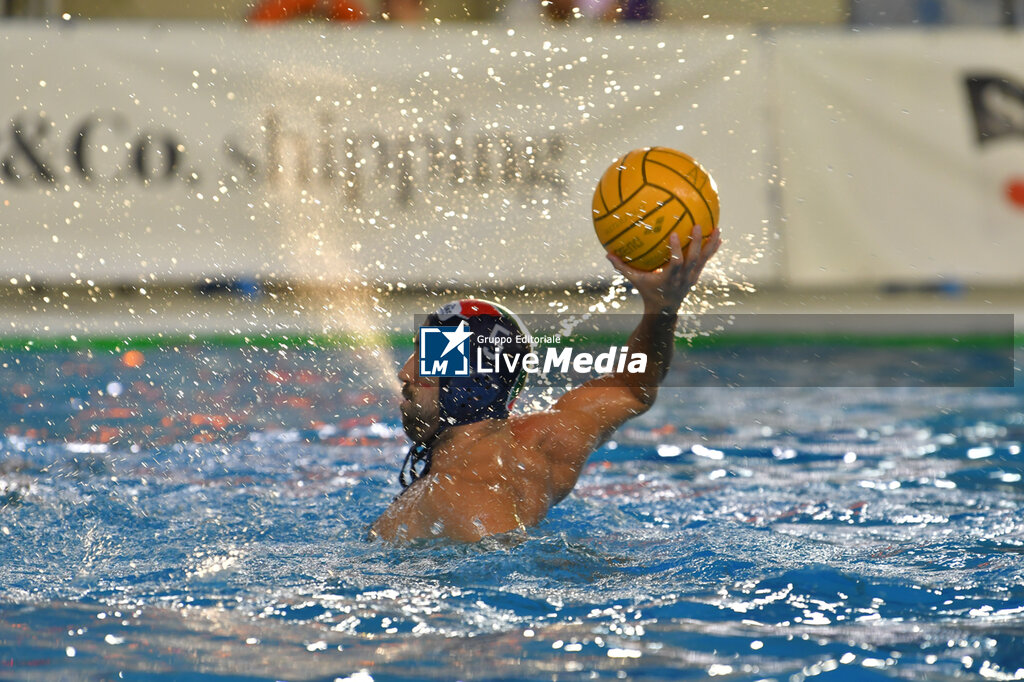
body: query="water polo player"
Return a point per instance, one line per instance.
(475, 470)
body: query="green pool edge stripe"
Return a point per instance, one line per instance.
(854, 340)
(111, 343)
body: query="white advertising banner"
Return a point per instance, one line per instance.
(903, 157)
(324, 154)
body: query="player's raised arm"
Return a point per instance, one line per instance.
(587, 416)
(662, 291)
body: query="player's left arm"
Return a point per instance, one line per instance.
(587, 416)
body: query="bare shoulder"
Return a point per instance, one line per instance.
(560, 442)
(531, 430)
(549, 431)
(578, 421)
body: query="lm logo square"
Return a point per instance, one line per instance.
(444, 351)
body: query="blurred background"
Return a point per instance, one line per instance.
(783, 12)
(301, 166)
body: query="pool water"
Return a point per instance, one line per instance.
(205, 514)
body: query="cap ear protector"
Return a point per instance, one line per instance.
(466, 397)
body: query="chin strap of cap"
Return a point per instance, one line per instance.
(417, 462)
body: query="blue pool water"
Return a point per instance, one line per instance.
(205, 514)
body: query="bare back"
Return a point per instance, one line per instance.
(496, 476)
(487, 478)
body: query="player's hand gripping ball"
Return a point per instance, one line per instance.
(647, 195)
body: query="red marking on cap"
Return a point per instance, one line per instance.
(472, 307)
(1015, 192)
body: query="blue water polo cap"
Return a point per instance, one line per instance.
(496, 331)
